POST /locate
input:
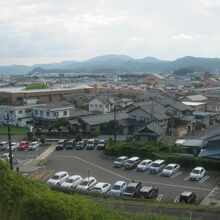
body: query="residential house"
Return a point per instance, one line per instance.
(195, 98)
(154, 80)
(102, 104)
(197, 106)
(20, 116)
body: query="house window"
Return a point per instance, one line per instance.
(95, 105)
(36, 112)
(27, 111)
(20, 112)
(133, 117)
(41, 113)
(64, 113)
(48, 114)
(55, 114)
(142, 118)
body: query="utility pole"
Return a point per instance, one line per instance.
(115, 124)
(9, 142)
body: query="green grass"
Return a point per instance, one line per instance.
(14, 130)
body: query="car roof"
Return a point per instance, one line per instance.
(172, 164)
(89, 178)
(146, 160)
(159, 161)
(198, 168)
(119, 183)
(186, 193)
(132, 184)
(60, 173)
(3, 142)
(134, 158)
(122, 157)
(100, 184)
(146, 188)
(34, 142)
(74, 176)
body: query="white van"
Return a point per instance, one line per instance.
(3, 145)
(157, 166)
(90, 144)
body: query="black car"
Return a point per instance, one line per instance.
(70, 144)
(187, 197)
(148, 192)
(132, 189)
(61, 144)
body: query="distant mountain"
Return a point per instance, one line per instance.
(118, 63)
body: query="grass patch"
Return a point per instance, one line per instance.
(14, 130)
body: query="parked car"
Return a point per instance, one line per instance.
(80, 145)
(61, 144)
(157, 166)
(34, 145)
(5, 157)
(120, 161)
(101, 145)
(72, 181)
(24, 145)
(170, 169)
(90, 144)
(132, 163)
(148, 192)
(187, 197)
(118, 188)
(14, 146)
(3, 145)
(58, 178)
(101, 188)
(132, 189)
(144, 165)
(197, 173)
(70, 144)
(87, 184)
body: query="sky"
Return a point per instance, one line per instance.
(47, 31)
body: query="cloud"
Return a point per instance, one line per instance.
(137, 39)
(188, 37)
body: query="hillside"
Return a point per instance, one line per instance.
(118, 63)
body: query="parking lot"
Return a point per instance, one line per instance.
(93, 163)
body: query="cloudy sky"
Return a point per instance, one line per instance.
(45, 31)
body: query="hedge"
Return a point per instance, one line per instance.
(153, 150)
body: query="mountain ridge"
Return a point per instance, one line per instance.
(117, 63)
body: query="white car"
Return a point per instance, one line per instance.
(87, 184)
(14, 146)
(101, 188)
(120, 161)
(72, 181)
(118, 188)
(58, 178)
(170, 169)
(144, 165)
(3, 145)
(34, 145)
(6, 157)
(197, 173)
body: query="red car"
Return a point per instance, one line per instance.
(24, 145)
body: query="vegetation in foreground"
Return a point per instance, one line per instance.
(22, 199)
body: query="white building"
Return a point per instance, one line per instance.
(101, 104)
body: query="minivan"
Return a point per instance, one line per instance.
(132, 163)
(90, 144)
(157, 166)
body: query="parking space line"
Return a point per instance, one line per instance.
(187, 178)
(203, 179)
(177, 199)
(176, 174)
(147, 182)
(159, 198)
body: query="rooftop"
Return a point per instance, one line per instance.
(193, 103)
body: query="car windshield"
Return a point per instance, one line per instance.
(32, 144)
(60, 142)
(118, 160)
(196, 171)
(130, 161)
(129, 189)
(97, 189)
(69, 181)
(116, 187)
(1, 144)
(143, 163)
(84, 183)
(55, 177)
(101, 142)
(155, 165)
(169, 168)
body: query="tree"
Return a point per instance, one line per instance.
(60, 122)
